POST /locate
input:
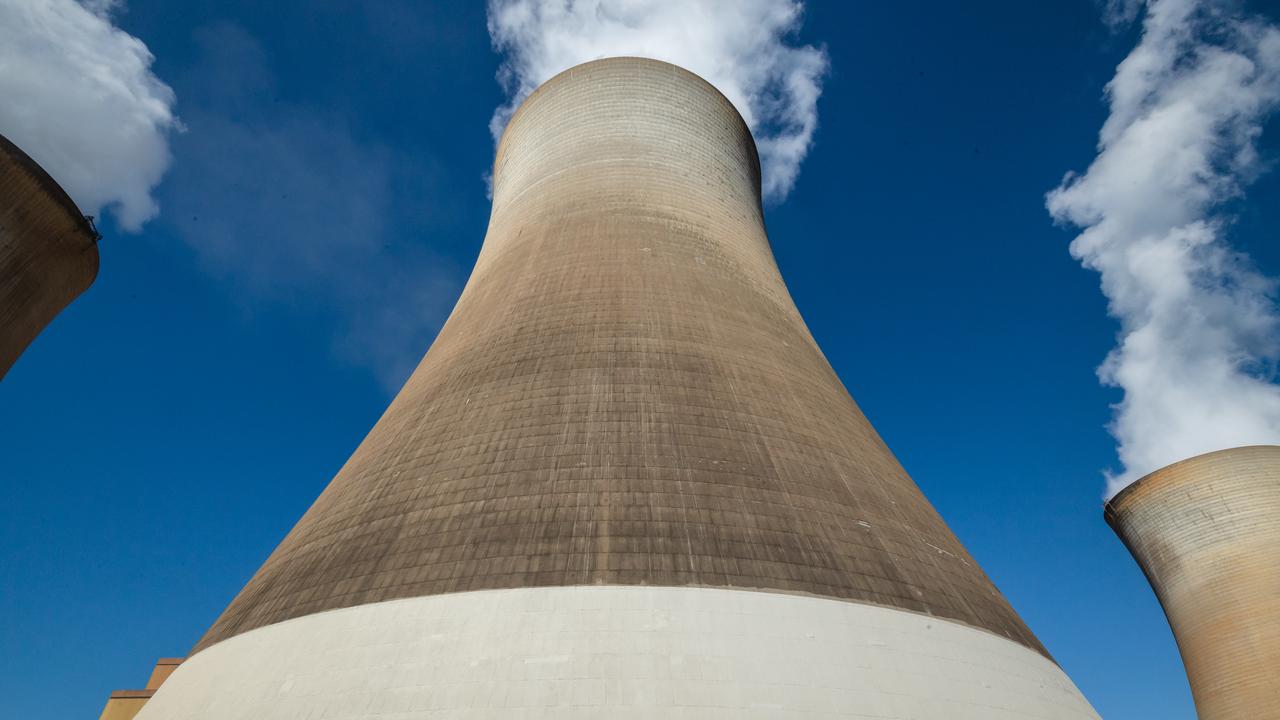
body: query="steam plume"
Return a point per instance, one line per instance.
(77, 94)
(1198, 323)
(740, 47)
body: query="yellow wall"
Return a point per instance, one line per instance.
(122, 708)
(125, 704)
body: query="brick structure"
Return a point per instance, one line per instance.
(126, 704)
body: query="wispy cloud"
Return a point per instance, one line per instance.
(1118, 13)
(77, 94)
(741, 47)
(1199, 327)
(289, 205)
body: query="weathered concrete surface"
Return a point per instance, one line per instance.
(48, 252)
(1206, 531)
(625, 394)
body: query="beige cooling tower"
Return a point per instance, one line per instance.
(1206, 532)
(624, 482)
(48, 252)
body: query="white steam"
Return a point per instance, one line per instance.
(77, 95)
(739, 46)
(1199, 325)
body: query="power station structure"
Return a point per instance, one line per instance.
(126, 704)
(624, 481)
(1206, 532)
(48, 251)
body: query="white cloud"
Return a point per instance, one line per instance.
(739, 46)
(79, 97)
(1200, 331)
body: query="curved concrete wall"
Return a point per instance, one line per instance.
(1206, 531)
(48, 252)
(624, 394)
(617, 652)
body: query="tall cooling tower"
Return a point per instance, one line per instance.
(1206, 532)
(624, 481)
(48, 252)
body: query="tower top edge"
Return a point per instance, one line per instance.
(11, 153)
(1175, 473)
(652, 67)
(635, 61)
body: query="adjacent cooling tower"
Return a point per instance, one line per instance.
(624, 481)
(48, 252)
(1206, 531)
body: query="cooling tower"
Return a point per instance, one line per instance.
(624, 481)
(48, 252)
(1206, 532)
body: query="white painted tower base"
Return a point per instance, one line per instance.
(617, 652)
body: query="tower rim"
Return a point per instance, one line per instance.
(1115, 503)
(563, 75)
(45, 182)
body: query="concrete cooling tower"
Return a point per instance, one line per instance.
(48, 252)
(1206, 532)
(623, 482)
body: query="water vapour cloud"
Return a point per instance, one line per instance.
(79, 97)
(740, 47)
(1198, 342)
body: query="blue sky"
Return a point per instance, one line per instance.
(324, 207)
